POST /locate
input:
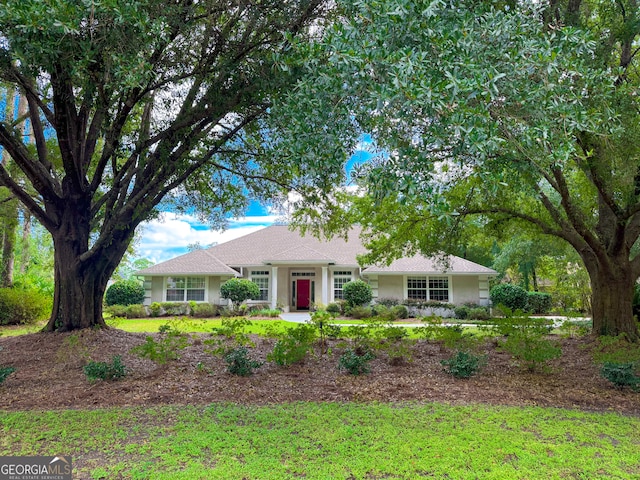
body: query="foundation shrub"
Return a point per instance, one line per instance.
(538, 302)
(357, 293)
(23, 306)
(124, 292)
(511, 296)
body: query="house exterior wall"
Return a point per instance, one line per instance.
(465, 289)
(391, 286)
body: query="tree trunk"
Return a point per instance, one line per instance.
(611, 304)
(9, 225)
(81, 278)
(26, 241)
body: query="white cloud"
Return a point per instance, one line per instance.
(170, 235)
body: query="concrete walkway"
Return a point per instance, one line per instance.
(296, 317)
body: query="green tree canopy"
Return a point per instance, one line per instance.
(509, 113)
(143, 102)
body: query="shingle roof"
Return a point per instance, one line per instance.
(423, 265)
(279, 245)
(196, 262)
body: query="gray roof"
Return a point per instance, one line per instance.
(420, 264)
(278, 245)
(201, 262)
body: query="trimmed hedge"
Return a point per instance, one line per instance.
(511, 296)
(538, 302)
(357, 293)
(125, 292)
(239, 290)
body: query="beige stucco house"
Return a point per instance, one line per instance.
(294, 272)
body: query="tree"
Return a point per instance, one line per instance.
(239, 290)
(137, 102)
(524, 115)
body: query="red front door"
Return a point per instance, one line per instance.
(304, 294)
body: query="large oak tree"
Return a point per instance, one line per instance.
(137, 102)
(512, 112)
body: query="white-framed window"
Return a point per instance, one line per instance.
(185, 289)
(261, 278)
(428, 288)
(417, 288)
(339, 279)
(439, 289)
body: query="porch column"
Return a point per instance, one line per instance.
(274, 287)
(325, 286)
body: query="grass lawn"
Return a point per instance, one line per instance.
(330, 441)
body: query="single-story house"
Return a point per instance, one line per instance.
(295, 271)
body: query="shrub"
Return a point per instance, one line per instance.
(136, 311)
(202, 310)
(165, 348)
(354, 363)
(105, 371)
(231, 334)
(538, 302)
(511, 296)
(479, 313)
(125, 292)
(293, 345)
(266, 312)
(19, 306)
(155, 309)
(116, 310)
(462, 312)
(388, 302)
(361, 312)
(532, 350)
(334, 308)
(621, 375)
(400, 311)
(5, 372)
(463, 364)
(239, 290)
(239, 363)
(357, 293)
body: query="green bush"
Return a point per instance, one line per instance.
(155, 309)
(334, 308)
(462, 312)
(531, 350)
(400, 311)
(136, 311)
(463, 364)
(361, 312)
(239, 363)
(165, 348)
(293, 345)
(511, 296)
(357, 293)
(20, 306)
(105, 371)
(354, 363)
(479, 313)
(621, 374)
(538, 302)
(239, 290)
(116, 310)
(125, 292)
(5, 372)
(202, 310)
(266, 312)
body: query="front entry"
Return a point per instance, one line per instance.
(303, 297)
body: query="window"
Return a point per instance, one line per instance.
(184, 289)
(339, 279)
(428, 288)
(261, 278)
(417, 288)
(439, 289)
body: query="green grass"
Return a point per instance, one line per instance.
(327, 441)
(190, 325)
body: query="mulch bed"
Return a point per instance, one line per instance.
(49, 375)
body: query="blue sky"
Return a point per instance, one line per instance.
(170, 236)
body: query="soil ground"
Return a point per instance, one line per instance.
(49, 375)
